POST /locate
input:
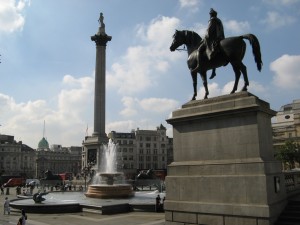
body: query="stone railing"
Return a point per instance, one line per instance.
(292, 182)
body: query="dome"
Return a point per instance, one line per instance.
(43, 144)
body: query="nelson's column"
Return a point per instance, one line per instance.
(92, 144)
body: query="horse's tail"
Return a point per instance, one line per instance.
(255, 49)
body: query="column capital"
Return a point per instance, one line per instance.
(101, 40)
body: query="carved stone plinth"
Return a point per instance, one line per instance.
(224, 171)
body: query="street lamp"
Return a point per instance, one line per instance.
(87, 171)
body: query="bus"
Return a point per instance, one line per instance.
(66, 176)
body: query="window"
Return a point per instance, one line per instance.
(148, 145)
(148, 138)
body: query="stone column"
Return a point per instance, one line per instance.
(93, 144)
(101, 38)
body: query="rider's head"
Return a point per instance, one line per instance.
(212, 13)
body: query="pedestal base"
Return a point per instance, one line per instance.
(224, 172)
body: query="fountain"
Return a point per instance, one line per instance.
(108, 182)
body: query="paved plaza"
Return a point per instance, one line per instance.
(82, 218)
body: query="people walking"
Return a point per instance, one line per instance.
(23, 218)
(6, 206)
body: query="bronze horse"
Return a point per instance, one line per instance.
(232, 50)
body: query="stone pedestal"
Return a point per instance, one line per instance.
(224, 171)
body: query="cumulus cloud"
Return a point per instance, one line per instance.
(137, 70)
(190, 4)
(158, 105)
(147, 105)
(129, 107)
(215, 89)
(236, 27)
(64, 122)
(276, 20)
(286, 69)
(11, 18)
(281, 2)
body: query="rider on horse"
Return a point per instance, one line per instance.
(211, 41)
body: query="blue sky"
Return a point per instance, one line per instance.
(48, 61)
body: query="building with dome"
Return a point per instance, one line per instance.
(57, 159)
(43, 144)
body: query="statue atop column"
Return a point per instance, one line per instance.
(102, 25)
(101, 38)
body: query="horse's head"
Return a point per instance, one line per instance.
(189, 38)
(178, 40)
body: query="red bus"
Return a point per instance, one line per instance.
(66, 176)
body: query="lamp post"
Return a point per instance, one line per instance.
(86, 171)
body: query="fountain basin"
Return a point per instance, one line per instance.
(70, 202)
(109, 191)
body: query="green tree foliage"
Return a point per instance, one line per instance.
(289, 153)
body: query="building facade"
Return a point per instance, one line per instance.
(286, 124)
(57, 159)
(138, 150)
(18, 159)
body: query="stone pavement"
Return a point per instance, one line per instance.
(81, 218)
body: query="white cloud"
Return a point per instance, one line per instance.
(147, 105)
(130, 107)
(121, 126)
(143, 63)
(275, 20)
(286, 69)
(190, 4)
(65, 124)
(213, 89)
(11, 18)
(236, 27)
(281, 2)
(158, 105)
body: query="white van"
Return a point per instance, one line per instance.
(31, 181)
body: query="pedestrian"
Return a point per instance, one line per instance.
(6, 206)
(2, 190)
(23, 218)
(157, 205)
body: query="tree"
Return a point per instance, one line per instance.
(288, 154)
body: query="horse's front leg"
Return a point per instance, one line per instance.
(204, 80)
(194, 77)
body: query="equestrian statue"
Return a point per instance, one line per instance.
(215, 51)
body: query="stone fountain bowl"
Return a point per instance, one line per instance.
(109, 191)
